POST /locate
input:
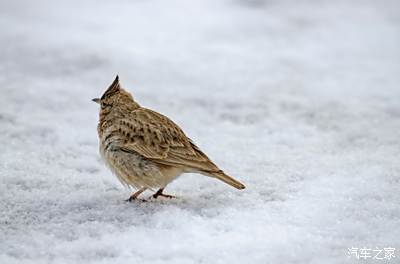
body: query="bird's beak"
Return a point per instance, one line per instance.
(96, 100)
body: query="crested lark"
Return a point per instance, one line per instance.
(145, 149)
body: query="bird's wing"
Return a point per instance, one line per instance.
(158, 138)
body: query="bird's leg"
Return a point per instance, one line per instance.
(160, 193)
(136, 194)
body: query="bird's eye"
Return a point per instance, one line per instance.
(104, 105)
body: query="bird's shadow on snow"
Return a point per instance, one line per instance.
(87, 211)
(112, 207)
(205, 204)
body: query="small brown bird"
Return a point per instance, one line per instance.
(145, 149)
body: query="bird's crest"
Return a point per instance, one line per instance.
(112, 89)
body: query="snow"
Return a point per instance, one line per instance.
(297, 99)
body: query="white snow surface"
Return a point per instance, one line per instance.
(300, 100)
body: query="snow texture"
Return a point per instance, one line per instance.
(300, 100)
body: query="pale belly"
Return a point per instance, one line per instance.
(135, 171)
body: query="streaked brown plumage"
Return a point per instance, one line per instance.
(145, 149)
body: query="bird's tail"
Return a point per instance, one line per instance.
(220, 175)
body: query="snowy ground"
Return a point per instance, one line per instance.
(300, 100)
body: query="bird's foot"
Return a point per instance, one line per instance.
(160, 193)
(134, 197)
(131, 199)
(164, 195)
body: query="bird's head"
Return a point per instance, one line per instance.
(115, 95)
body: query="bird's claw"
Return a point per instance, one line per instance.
(155, 196)
(132, 199)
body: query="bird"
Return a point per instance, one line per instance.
(145, 149)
